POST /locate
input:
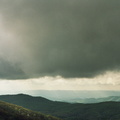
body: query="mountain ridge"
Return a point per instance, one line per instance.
(14, 112)
(68, 111)
(93, 100)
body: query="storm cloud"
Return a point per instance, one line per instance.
(68, 38)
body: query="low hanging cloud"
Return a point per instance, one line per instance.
(59, 37)
(107, 81)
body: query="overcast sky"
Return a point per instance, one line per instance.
(60, 44)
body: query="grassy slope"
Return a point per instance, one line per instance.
(14, 112)
(66, 111)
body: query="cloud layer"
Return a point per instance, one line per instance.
(108, 81)
(58, 37)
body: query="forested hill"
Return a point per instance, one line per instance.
(14, 112)
(67, 111)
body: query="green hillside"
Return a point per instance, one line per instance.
(67, 111)
(14, 112)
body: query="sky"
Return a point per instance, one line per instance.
(59, 45)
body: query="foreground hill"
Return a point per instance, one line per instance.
(67, 111)
(13, 112)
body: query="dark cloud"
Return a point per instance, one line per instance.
(77, 38)
(10, 71)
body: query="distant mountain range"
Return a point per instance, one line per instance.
(14, 112)
(67, 111)
(63, 95)
(94, 100)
